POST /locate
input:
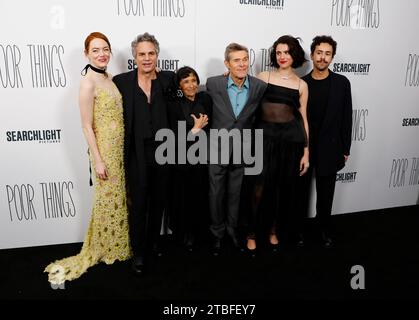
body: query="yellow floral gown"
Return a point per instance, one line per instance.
(107, 238)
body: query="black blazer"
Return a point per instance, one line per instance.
(335, 134)
(160, 90)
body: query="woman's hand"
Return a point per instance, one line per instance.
(101, 171)
(200, 122)
(304, 164)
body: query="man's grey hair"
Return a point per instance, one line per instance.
(234, 47)
(142, 38)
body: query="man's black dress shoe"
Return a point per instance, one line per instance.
(327, 242)
(189, 242)
(300, 241)
(216, 247)
(138, 266)
(157, 250)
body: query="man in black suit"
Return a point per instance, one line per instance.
(330, 121)
(235, 99)
(144, 94)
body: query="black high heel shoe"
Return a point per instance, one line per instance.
(249, 251)
(274, 247)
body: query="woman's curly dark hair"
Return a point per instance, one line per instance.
(294, 47)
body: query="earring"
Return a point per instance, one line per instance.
(179, 93)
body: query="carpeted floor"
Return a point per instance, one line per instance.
(384, 242)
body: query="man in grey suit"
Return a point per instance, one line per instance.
(235, 100)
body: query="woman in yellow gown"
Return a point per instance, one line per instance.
(101, 113)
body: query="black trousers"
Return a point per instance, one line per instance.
(325, 189)
(145, 204)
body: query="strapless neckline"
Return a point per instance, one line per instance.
(279, 86)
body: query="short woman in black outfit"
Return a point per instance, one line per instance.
(189, 183)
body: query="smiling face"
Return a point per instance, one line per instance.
(238, 64)
(146, 57)
(283, 56)
(189, 86)
(99, 53)
(322, 56)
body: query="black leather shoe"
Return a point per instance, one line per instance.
(300, 241)
(189, 242)
(216, 247)
(327, 242)
(157, 250)
(138, 266)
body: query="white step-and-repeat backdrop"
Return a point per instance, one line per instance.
(44, 193)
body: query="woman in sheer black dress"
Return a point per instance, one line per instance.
(189, 204)
(270, 198)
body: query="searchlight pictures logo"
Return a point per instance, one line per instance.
(163, 64)
(268, 4)
(40, 136)
(357, 69)
(346, 177)
(410, 122)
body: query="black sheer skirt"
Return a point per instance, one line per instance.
(269, 200)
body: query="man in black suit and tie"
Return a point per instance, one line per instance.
(144, 94)
(329, 111)
(235, 99)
